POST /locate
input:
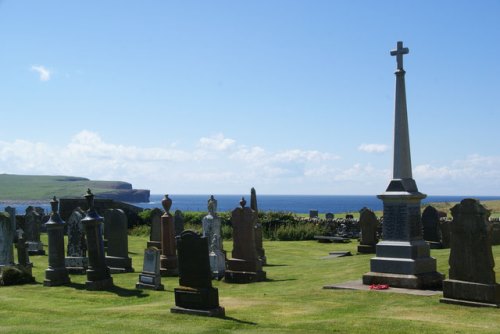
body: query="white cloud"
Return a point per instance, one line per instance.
(43, 72)
(216, 142)
(373, 148)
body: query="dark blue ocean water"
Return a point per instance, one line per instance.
(289, 203)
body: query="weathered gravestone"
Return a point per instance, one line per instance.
(329, 216)
(430, 225)
(32, 225)
(445, 230)
(7, 234)
(98, 277)
(168, 258)
(155, 232)
(259, 246)
(76, 260)
(471, 278)
(178, 222)
(368, 223)
(23, 258)
(150, 277)
(245, 266)
(495, 232)
(195, 294)
(313, 214)
(403, 257)
(211, 225)
(56, 274)
(117, 258)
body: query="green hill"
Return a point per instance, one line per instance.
(43, 187)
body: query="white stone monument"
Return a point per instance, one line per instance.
(212, 231)
(402, 257)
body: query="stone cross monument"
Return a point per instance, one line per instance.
(403, 257)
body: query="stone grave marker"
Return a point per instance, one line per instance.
(155, 232)
(23, 258)
(196, 295)
(313, 214)
(56, 274)
(11, 211)
(430, 225)
(445, 229)
(98, 277)
(211, 225)
(244, 266)
(117, 258)
(168, 258)
(178, 222)
(368, 223)
(329, 216)
(7, 234)
(472, 279)
(76, 260)
(32, 225)
(261, 253)
(150, 277)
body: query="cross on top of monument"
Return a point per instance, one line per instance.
(399, 52)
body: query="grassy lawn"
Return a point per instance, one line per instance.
(292, 301)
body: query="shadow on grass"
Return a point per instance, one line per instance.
(239, 321)
(279, 280)
(119, 291)
(275, 265)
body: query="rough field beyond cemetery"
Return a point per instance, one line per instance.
(292, 301)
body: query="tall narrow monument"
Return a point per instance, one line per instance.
(403, 257)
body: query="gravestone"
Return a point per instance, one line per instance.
(32, 225)
(76, 260)
(168, 258)
(445, 230)
(245, 266)
(7, 234)
(211, 225)
(471, 277)
(313, 214)
(117, 258)
(178, 222)
(261, 253)
(368, 223)
(150, 277)
(56, 274)
(155, 232)
(329, 216)
(98, 277)
(196, 295)
(402, 258)
(430, 225)
(23, 258)
(12, 215)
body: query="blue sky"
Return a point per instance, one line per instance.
(289, 97)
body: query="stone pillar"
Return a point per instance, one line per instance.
(155, 231)
(403, 257)
(259, 246)
(168, 258)
(211, 225)
(98, 277)
(56, 274)
(6, 240)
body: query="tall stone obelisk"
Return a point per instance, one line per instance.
(402, 257)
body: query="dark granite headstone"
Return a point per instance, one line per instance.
(368, 223)
(245, 266)
(155, 232)
(178, 222)
(430, 225)
(150, 277)
(56, 274)
(445, 229)
(259, 246)
(23, 258)
(313, 214)
(195, 294)
(117, 258)
(98, 277)
(32, 224)
(76, 260)
(471, 278)
(7, 234)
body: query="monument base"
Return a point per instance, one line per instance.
(56, 277)
(76, 264)
(216, 312)
(197, 299)
(432, 280)
(232, 276)
(148, 281)
(435, 245)
(104, 284)
(470, 293)
(366, 249)
(168, 266)
(156, 244)
(118, 265)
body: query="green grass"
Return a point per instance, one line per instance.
(292, 301)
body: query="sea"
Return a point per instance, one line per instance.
(284, 203)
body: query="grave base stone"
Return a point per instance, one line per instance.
(56, 276)
(435, 245)
(149, 281)
(430, 281)
(102, 284)
(76, 265)
(118, 265)
(470, 293)
(200, 301)
(35, 248)
(366, 249)
(241, 271)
